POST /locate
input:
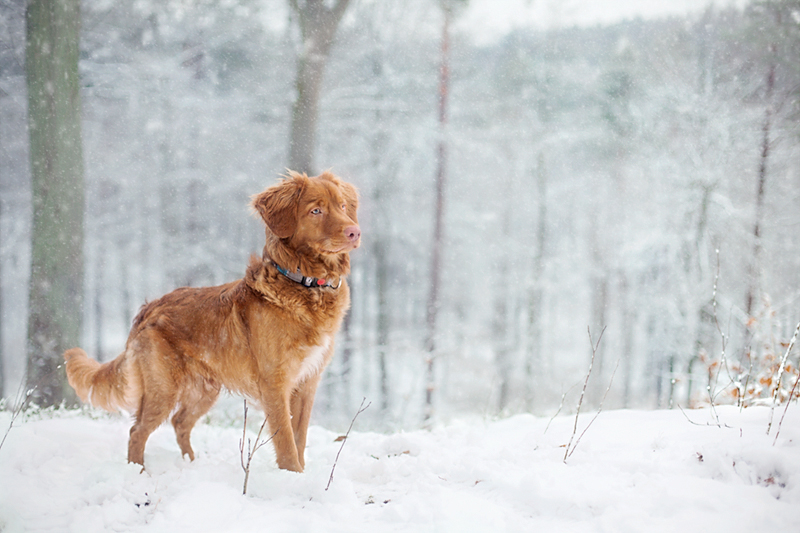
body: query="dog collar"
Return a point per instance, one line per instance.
(297, 277)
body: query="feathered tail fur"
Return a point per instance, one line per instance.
(113, 386)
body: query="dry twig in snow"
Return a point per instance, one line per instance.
(723, 361)
(22, 402)
(599, 408)
(594, 346)
(251, 450)
(361, 409)
(788, 401)
(20, 405)
(776, 394)
(560, 407)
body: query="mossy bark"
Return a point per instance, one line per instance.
(54, 122)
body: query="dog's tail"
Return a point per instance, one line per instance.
(112, 386)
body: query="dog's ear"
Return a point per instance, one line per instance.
(278, 205)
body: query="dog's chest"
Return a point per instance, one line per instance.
(313, 361)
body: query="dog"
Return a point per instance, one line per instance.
(267, 336)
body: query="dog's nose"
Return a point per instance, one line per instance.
(353, 233)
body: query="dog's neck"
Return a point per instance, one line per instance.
(304, 260)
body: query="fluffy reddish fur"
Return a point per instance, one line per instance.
(264, 336)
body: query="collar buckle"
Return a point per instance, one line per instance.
(308, 282)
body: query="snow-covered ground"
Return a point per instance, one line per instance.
(632, 471)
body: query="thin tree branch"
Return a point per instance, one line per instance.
(560, 406)
(361, 409)
(21, 402)
(251, 450)
(599, 408)
(776, 394)
(711, 389)
(707, 424)
(788, 401)
(594, 346)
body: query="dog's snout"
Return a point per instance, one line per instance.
(353, 233)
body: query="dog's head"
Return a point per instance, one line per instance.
(312, 213)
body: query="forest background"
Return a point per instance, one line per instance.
(642, 176)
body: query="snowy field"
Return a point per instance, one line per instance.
(632, 471)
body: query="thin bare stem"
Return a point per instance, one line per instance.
(583, 390)
(18, 408)
(776, 394)
(251, 450)
(560, 406)
(788, 401)
(22, 401)
(361, 409)
(707, 424)
(723, 362)
(599, 408)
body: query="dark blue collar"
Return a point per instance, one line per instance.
(311, 283)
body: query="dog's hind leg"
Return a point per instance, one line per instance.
(159, 394)
(195, 401)
(153, 411)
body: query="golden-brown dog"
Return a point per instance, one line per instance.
(267, 336)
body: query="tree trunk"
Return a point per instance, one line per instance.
(628, 323)
(755, 265)
(383, 324)
(381, 252)
(318, 24)
(438, 226)
(505, 319)
(54, 123)
(98, 303)
(502, 353)
(2, 351)
(347, 357)
(533, 361)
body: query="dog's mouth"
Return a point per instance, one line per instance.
(349, 247)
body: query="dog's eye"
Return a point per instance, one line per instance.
(344, 207)
(316, 211)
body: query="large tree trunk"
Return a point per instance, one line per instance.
(2, 363)
(318, 24)
(54, 122)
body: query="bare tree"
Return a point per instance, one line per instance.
(318, 24)
(438, 226)
(533, 360)
(381, 198)
(54, 123)
(753, 282)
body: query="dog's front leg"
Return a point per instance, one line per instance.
(275, 401)
(302, 402)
